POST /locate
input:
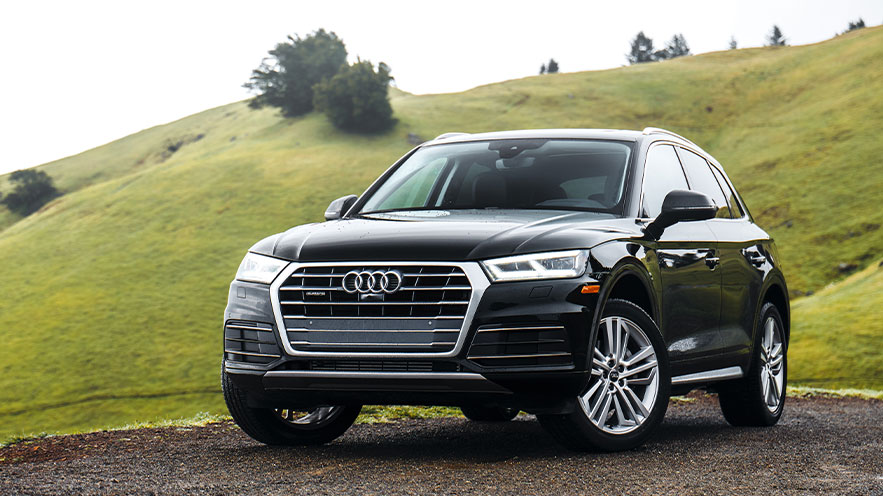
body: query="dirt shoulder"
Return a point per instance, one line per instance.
(822, 445)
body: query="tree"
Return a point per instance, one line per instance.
(286, 78)
(775, 38)
(733, 44)
(543, 69)
(552, 66)
(356, 98)
(676, 47)
(859, 24)
(642, 50)
(32, 190)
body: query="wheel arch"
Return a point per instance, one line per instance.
(776, 294)
(631, 285)
(628, 280)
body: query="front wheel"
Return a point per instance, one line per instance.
(287, 426)
(627, 392)
(759, 398)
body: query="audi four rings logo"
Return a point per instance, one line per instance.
(372, 282)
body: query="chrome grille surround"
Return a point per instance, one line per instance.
(478, 282)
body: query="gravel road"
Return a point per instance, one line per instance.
(822, 445)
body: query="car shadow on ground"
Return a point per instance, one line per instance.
(460, 440)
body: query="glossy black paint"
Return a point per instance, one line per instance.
(702, 281)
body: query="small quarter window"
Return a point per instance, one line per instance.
(662, 173)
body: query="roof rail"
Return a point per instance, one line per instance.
(449, 135)
(657, 130)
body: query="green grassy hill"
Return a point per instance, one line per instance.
(838, 334)
(113, 294)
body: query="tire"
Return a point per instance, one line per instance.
(489, 413)
(758, 399)
(286, 427)
(637, 404)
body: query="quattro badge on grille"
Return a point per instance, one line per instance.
(376, 282)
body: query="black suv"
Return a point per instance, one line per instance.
(580, 275)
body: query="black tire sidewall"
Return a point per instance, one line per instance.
(264, 425)
(616, 442)
(754, 372)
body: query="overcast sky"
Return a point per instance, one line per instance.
(78, 74)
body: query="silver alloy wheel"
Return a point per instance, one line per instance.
(772, 370)
(625, 377)
(309, 419)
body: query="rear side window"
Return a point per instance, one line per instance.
(703, 181)
(662, 173)
(735, 208)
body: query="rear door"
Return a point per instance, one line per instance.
(687, 258)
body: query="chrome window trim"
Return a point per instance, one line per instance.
(729, 184)
(698, 151)
(477, 279)
(653, 145)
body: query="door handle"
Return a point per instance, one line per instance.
(711, 260)
(754, 258)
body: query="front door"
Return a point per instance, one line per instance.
(689, 262)
(688, 267)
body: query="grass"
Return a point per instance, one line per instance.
(113, 293)
(838, 332)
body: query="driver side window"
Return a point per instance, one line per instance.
(662, 173)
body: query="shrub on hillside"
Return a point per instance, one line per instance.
(32, 190)
(286, 78)
(676, 47)
(552, 67)
(357, 97)
(776, 38)
(641, 49)
(859, 24)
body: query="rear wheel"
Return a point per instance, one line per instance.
(627, 392)
(759, 398)
(489, 413)
(287, 426)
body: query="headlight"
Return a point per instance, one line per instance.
(551, 265)
(259, 268)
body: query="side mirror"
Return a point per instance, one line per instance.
(681, 205)
(339, 207)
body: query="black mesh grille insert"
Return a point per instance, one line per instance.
(250, 342)
(423, 314)
(383, 366)
(521, 345)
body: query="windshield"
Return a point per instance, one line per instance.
(508, 174)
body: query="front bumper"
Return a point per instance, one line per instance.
(539, 380)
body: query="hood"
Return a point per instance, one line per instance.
(445, 235)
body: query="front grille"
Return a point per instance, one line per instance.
(424, 315)
(249, 342)
(520, 345)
